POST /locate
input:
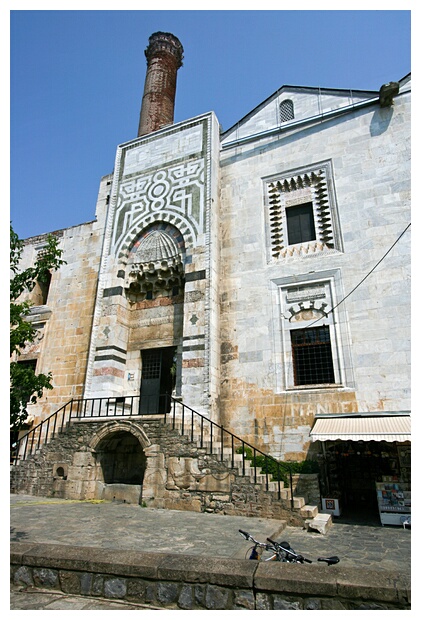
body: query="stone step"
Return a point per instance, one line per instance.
(321, 523)
(299, 504)
(309, 512)
(286, 494)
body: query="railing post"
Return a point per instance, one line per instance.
(26, 445)
(290, 483)
(32, 443)
(192, 426)
(266, 472)
(39, 435)
(222, 443)
(54, 427)
(46, 432)
(232, 451)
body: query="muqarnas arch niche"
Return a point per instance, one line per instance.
(155, 266)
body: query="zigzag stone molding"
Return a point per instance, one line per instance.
(299, 187)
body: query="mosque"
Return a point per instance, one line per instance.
(257, 276)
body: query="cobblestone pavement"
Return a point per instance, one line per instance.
(112, 525)
(127, 526)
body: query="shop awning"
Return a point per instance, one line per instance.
(365, 428)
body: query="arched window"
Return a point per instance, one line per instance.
(41, 289)
(286, 109)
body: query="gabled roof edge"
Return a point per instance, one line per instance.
(317, 89)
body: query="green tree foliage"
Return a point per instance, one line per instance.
(279, 470)
(26, 386)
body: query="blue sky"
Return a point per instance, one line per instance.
(76, 84)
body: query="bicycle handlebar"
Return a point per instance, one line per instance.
(299, 558)
(248, 536)
(287, 549)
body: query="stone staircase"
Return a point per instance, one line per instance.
(270, 498)
(313, 520)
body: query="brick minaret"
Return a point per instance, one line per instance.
(164, 55)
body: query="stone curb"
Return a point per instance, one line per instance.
(271, 579)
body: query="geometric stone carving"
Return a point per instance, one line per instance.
(174, 192)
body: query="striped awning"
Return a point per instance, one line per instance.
(365, 428)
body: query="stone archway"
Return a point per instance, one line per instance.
(120, 450)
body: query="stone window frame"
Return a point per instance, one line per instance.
(313, 183)
(303, 299)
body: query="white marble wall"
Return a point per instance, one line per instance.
(370, 154)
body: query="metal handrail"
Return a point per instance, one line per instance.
(234, 439)
(130, 406)
(24, 446)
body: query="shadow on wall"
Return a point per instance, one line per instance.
(380, 121)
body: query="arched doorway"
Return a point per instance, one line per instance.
(121, 464)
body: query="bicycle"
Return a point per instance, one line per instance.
(279, 552)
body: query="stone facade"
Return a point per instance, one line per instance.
(189, 256)
(264, 294)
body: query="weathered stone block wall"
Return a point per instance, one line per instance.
(190, 582)
(65, 322)
(308, 486)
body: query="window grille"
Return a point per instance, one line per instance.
(151, 365)
(312, 356)
(286, 109)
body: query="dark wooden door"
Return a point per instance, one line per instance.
(157, 380)
(151, 380)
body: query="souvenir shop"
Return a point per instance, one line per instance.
(365, 466)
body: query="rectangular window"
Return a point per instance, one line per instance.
(312, 356)
(300, 223)
(28, 364)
